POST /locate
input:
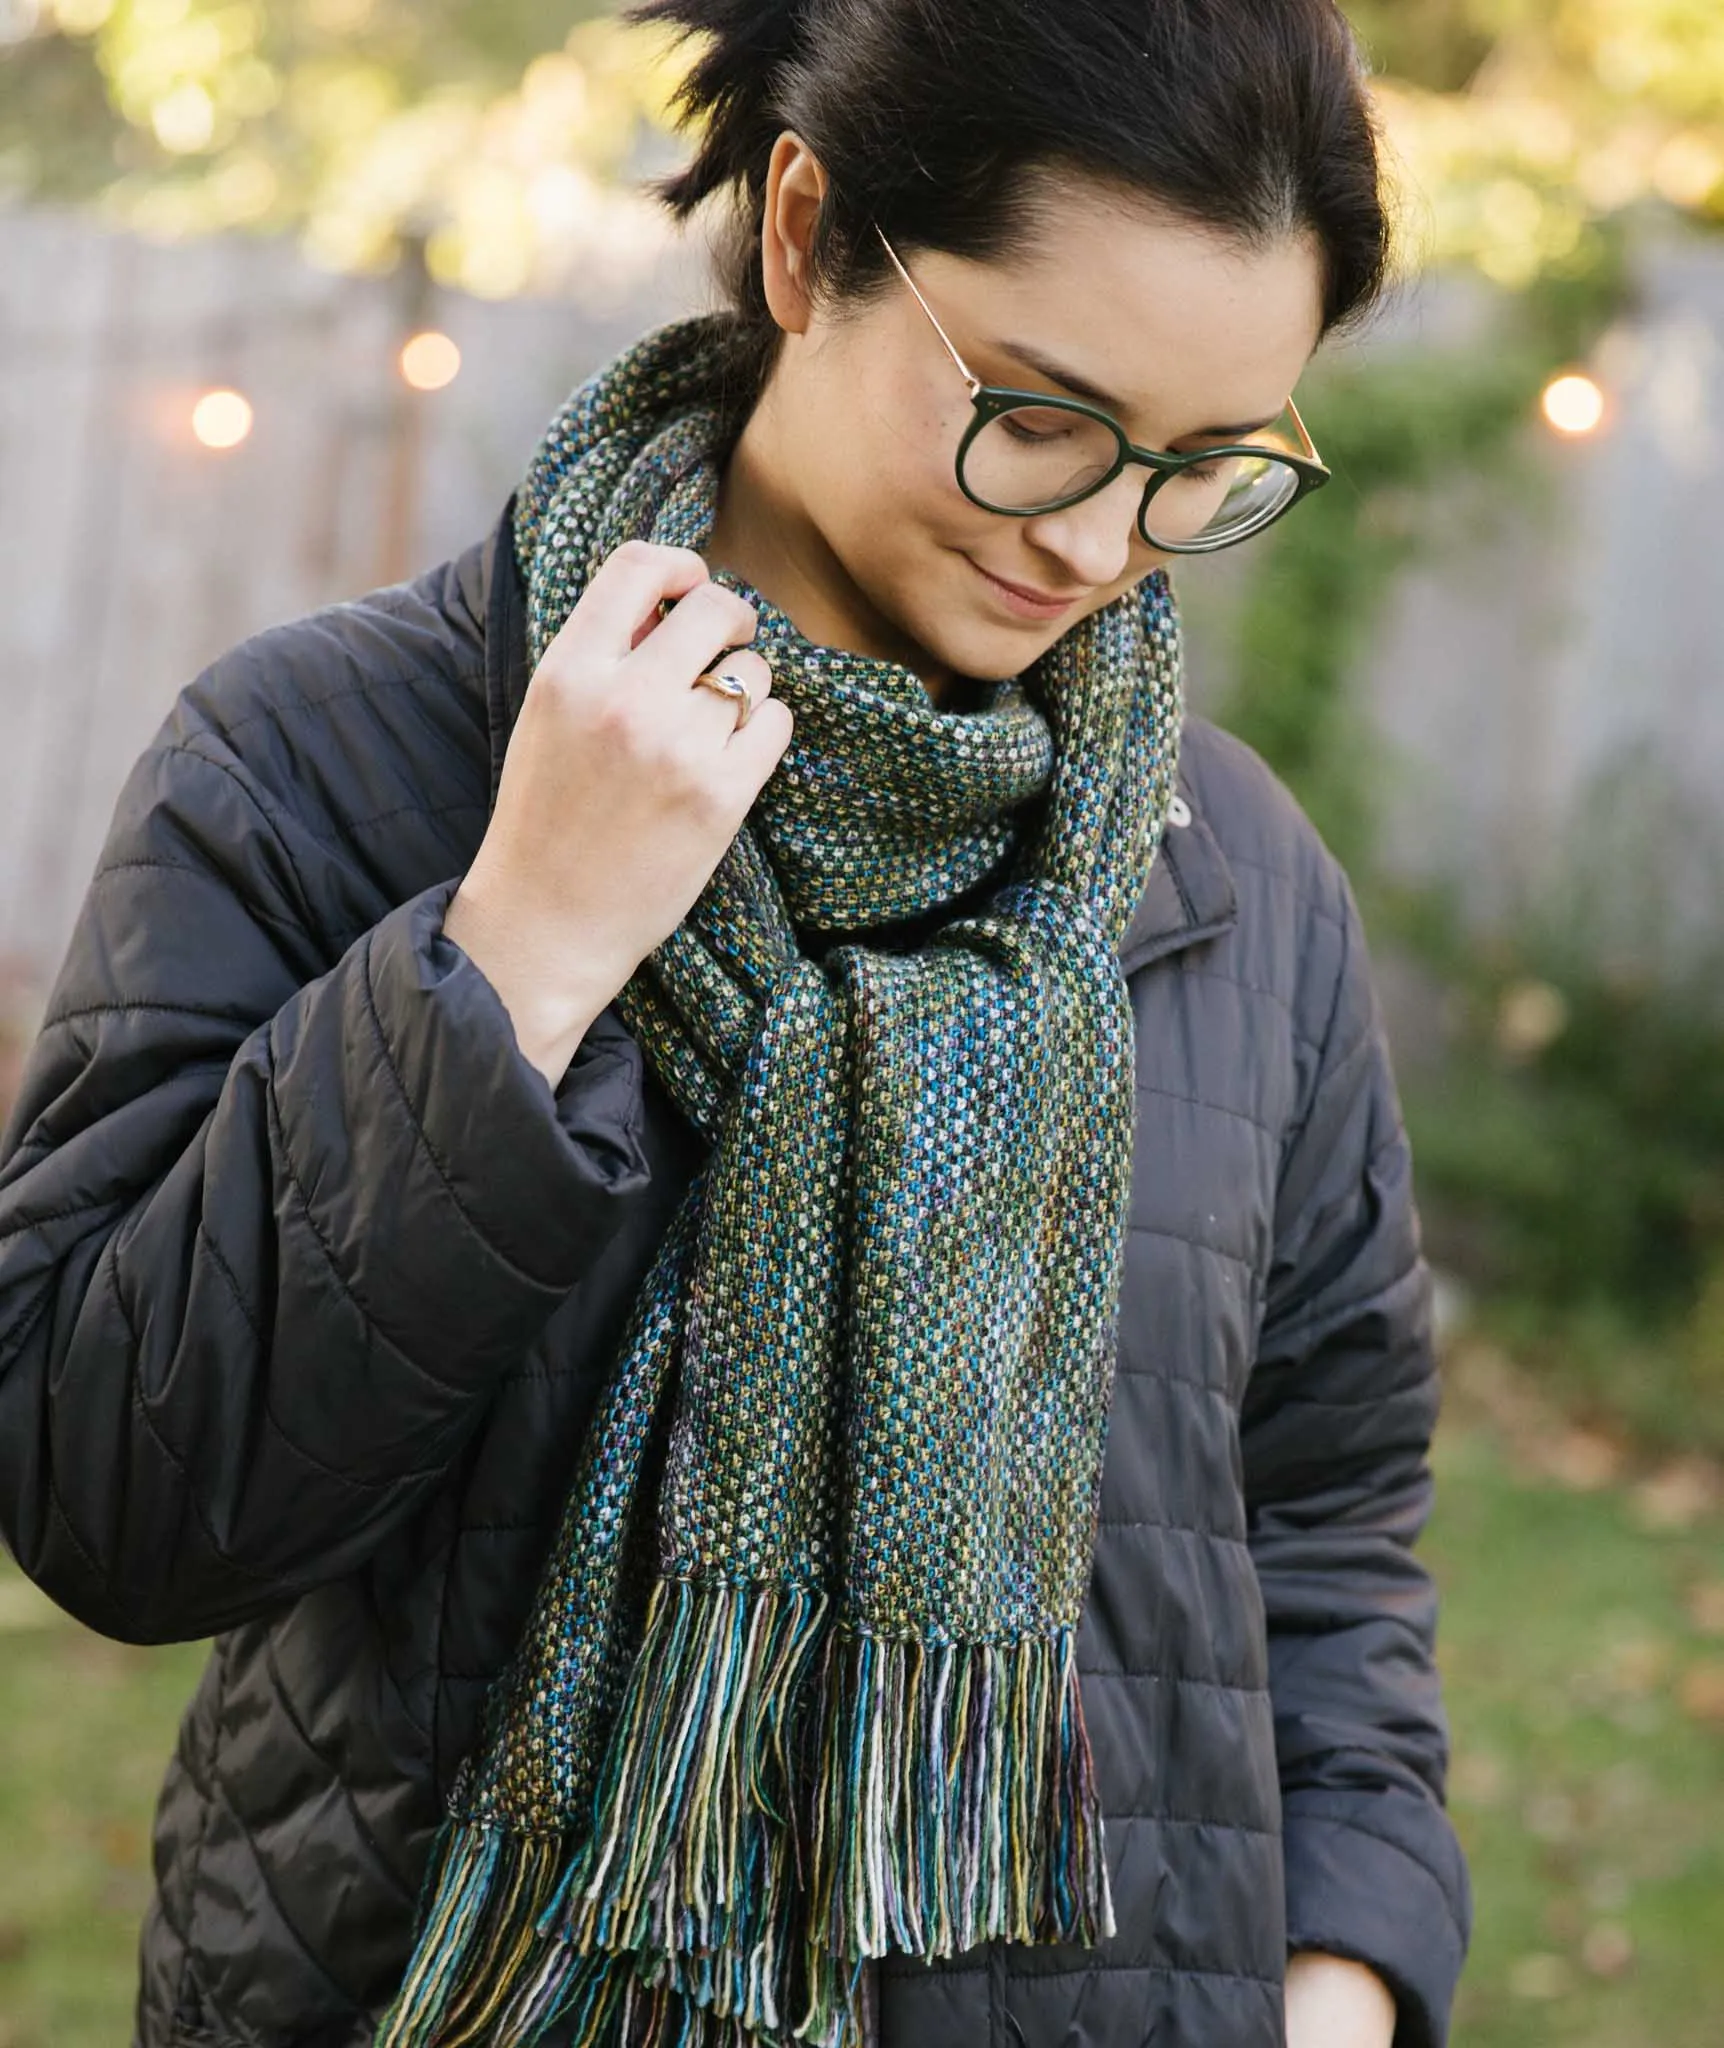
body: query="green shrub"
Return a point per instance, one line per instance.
(1570, 1143)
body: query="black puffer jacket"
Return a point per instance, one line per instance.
(306, 1283)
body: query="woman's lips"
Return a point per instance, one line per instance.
(1027, 604)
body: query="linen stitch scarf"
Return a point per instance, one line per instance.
(799, 1683)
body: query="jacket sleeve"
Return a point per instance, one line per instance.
(276, 1212)
(1336, 1430)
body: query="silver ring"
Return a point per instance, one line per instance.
(732, 686)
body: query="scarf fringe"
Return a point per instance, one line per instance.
(485, 1893)
(959, 1804)
(690, 1855)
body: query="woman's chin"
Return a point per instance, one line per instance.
(990, 653)
(965, 629)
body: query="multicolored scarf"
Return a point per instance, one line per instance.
(799, 1683)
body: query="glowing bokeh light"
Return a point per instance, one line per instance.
(430, 360)
(1573, 404)
(184, 119)
(221, 419)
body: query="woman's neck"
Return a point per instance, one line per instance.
(763, 533)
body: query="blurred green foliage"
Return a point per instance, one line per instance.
(491, 133)
(1520, 125)
(1389, 431)
(1523, 126)
(1571, 1164)
(1570, 1141)
(1571, 1146)
(1393, 428)
(1592, 1122)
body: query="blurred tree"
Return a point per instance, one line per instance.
(1527, 125)
(492, 129)
(495, 129)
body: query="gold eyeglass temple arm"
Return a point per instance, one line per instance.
(964, 370)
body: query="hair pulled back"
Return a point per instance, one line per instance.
(931, 117)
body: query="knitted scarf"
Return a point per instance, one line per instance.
(799, 1683)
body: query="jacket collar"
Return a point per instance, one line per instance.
(1190, 896)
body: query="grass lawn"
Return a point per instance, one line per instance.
(88, 1725)
(1584, 1656)
(1583, 1653)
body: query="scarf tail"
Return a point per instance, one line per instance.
(953, 1799)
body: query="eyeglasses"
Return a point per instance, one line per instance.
(1026, 452)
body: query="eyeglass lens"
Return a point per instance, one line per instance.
(1038, 458)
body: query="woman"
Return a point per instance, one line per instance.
(626, 1125)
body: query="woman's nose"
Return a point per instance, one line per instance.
(1094, 538)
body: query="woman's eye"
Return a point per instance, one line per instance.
(1020, 430)
(1203, 472)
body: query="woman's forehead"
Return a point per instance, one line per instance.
(1176, 326)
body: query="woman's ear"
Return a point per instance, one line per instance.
(795, 186)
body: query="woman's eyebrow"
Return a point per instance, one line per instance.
(1081, 387)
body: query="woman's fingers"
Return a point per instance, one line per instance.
(617, 800)
(705, 632)
(653, 620)
(756, 748)
(620, 606)
(698, 632)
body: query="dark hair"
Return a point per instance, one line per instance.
(931, 117)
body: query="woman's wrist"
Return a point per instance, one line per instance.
(1334, 2002)
(550, 1013)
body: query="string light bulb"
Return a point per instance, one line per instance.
(430, 360)
(222, 419)
(1573, 404)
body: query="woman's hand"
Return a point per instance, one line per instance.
(622, 787)
(1335, 2003)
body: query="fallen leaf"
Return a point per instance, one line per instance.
(1531, 1016)
(1636, 1668)
(1702, 1692)
(1679, 1494)
(1583, 1460)
(122, 1844)
(1624, 1786)
(1638, 1717)
(1608, 1949)
(1564, 1919)
(1478, 1778)
(1551, 1817)
(99, 1660)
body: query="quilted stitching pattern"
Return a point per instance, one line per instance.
(1256, 1640)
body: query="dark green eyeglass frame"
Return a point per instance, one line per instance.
(988, 401)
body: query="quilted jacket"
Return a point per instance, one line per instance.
(307, 1281)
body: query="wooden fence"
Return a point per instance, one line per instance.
(131, 554)
(1549, 696)
(1510, 684)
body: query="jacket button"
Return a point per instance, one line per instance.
(1179, 812)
